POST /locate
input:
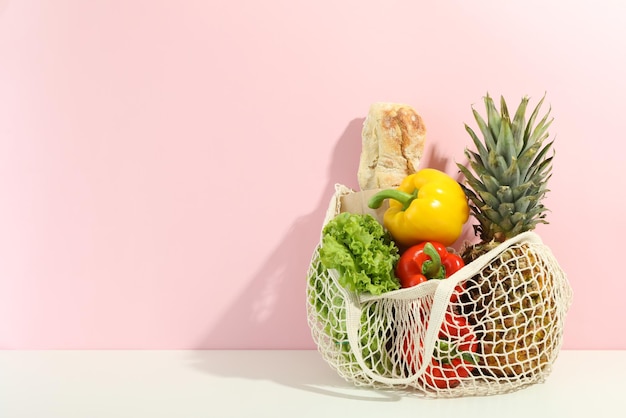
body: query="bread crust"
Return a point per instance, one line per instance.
(393, 140)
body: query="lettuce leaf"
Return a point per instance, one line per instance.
(363, 253)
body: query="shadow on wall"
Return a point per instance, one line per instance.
(271, 312)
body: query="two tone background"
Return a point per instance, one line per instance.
(165, 166)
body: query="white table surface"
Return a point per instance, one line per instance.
(181, 384)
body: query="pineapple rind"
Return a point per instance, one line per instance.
(515, 309)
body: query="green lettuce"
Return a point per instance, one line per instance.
(331, 309)
(363, 253)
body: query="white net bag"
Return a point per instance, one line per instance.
(493, 327)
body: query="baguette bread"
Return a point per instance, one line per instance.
(393, 140)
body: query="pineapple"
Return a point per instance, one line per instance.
(512, 302)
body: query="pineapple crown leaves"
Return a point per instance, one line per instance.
(508, 170)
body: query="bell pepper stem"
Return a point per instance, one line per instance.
(469, 357)
(433, 268)
(403, 197)
(446, 352)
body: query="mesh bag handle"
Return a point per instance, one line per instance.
(442, 294)
(353, 319)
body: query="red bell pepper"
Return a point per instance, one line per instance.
(453, 357)
(425, 261)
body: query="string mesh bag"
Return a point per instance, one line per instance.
(493, 327)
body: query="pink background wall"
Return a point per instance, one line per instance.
(165, 165)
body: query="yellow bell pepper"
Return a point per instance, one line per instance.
(428, 205)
